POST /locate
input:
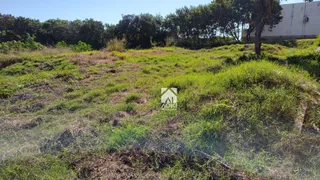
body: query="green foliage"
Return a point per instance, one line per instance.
(317, 41)
(53, 31)
(192, 27)
(81, 47)
(61, 44)
(29, 44)
(138, 30)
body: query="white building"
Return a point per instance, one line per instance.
(300, 20)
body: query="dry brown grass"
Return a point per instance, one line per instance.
(116, 45)
(122, 165)
(92, 59)
(299, 147)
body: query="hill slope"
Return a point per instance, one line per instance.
(98, 114)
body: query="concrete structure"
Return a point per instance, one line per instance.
(300, 20)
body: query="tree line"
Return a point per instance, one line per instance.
(216, 23)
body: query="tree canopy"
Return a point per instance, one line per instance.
(192, 27)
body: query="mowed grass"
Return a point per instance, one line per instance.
(233, 108)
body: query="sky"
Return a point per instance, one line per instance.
(107, 11)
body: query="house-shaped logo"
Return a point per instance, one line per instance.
(169, 98)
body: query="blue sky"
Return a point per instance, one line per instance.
(107, 11)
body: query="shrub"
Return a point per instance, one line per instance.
(29, 44)
(116, 45)
(81, 46)
(170, 41)
(61, 44)
(317, 41)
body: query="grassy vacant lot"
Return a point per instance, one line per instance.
(66, 115)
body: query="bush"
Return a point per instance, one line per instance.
(81, 46)
(317, 41)
(170, 41)
(116, 45)
(29, 44)
(61, 44)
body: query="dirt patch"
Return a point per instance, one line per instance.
(139, 164)
(172, 126)
(141, 101)
(87, 60)
(110, 167)
(300, 119)
(56, 89)
(118, 97)
(58, 142)
(16, 124)
(131, 67)
(32, 124)
(6, 61)
(129, 164)
(20, 97)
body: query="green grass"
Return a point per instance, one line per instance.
(317, 41)
(120, 137)
(47, 167)
(231, 104)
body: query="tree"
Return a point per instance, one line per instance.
(229, 17)
(192, 27)
(53, 31)
(263, 9)
(160, 33)
(266, 12)
(233, 14)
(138, 30)
(17, 28)
(75, 31)
(92, 32)
(109, 33)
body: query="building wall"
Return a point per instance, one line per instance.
(293, 24)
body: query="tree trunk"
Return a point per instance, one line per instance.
(263, 9)
(257, 44)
